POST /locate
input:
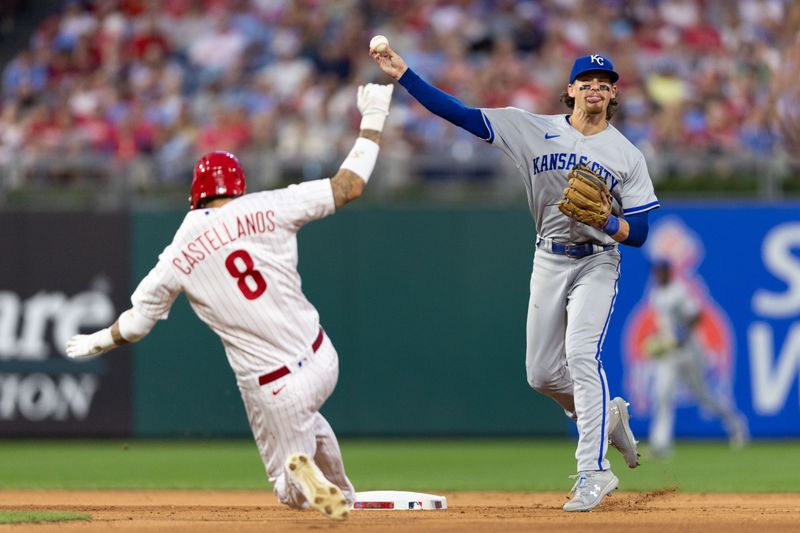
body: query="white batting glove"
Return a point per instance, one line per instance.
(373, 102)
(89, 345)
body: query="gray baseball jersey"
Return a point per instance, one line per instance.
(571, 299)
(675, 306)
(546, 147)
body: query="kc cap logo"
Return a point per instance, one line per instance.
(593, 62)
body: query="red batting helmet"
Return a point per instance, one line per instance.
(216, 174)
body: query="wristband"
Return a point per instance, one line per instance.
(103, 340)
(373, 121)
(133, 326)
(362, 158)
(612, 226)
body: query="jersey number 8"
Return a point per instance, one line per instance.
(257, 284)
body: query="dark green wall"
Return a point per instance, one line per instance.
(425, 306)
(183, 385)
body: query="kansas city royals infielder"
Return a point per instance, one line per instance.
(235, 256)
(679, 357)
(575, 273)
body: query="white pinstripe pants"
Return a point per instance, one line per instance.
(284, 417)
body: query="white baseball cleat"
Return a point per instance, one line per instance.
(589, 490)
(620, 435)
(321, 494)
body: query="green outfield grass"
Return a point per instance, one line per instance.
(26, 517)
(427, 465)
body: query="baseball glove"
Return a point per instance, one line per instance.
(657, 346)
(583, 198)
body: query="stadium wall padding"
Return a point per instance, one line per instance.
(62, 274)
(426, 308)
(742, 262)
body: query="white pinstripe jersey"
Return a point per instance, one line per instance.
(237, 265)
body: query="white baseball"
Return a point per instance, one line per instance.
(378, 44)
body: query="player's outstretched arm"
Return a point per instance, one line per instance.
(129, 327)
(435, 100)
(388, 60)
(348, 183)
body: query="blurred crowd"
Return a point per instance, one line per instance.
(162, 81)
(9, 11)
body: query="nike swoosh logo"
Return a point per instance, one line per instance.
(549, 136)
(275, 392)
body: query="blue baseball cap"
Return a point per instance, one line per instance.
(593, 62)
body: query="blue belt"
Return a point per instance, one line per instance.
(574, 251)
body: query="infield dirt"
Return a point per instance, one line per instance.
(245, 511)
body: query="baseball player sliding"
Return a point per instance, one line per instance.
(235, 257)
(588, 190)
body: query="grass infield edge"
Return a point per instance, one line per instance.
(31, 517)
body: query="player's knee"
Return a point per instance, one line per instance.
(542, 383)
